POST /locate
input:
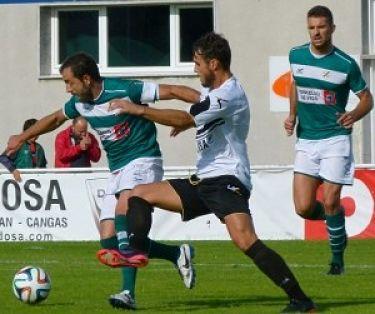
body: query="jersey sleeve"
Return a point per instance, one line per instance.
(143, 92)
(150, 92)
(213, 107)
(70, 110)
(356, 81)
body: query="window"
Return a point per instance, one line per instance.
(190, 32)
(130, 40)
(71, 40)
(136, 36)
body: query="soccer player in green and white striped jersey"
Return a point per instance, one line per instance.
(133, 156)
(323, 77)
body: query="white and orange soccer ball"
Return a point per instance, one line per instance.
(31, 285)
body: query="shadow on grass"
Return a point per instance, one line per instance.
(199, 304)
(325, 305)
(57, 304)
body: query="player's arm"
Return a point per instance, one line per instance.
(42, 126)
(180, 92)
(290, 121)
(9, 164)
(170, 117)
(364, 107)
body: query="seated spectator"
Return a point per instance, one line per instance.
(75, 147)
(31, 154)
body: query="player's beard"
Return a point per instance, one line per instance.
(86, 95)
(207, 81)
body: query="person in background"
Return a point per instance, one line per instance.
(75, 147)
(31, 154)
(323, 76)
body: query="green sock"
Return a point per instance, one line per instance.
(337, 236)
(109, 243)
(129, 275)
(164, 251)
(121, 227)
(318, 212)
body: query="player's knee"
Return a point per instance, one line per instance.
(141, 191)
(244, 241)
(303, 210)
(300, 212)
(331, 204)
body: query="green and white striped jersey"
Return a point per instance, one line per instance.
(124, 137)
(322, 85)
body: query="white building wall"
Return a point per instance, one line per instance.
(256, 30)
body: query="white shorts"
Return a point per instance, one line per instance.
(328, 159)
(139, 171)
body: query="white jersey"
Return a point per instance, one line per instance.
(222, 119)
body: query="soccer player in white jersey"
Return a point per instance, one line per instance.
(133, 156)
(222, 184)
(323, 77)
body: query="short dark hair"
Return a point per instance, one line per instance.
(28, 123)
(321, 11)
(82, 64)
(214, 46)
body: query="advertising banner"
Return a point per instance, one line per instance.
(46, 207)
(53, 205)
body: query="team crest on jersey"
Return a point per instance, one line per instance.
(329, 97)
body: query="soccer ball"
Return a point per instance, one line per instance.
(31, 285)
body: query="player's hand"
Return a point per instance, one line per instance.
(289, 124)
(175, 131)
(87, 139)
(83, 144)
(125, 106)
(346, 120)
(14, 144)
(17, 175)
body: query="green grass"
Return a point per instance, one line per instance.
(227, 282)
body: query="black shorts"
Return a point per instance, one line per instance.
(222, 195)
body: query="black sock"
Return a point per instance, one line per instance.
(275, 268)
(164, 251)
(139, 218)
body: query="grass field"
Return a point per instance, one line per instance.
(227, 282)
